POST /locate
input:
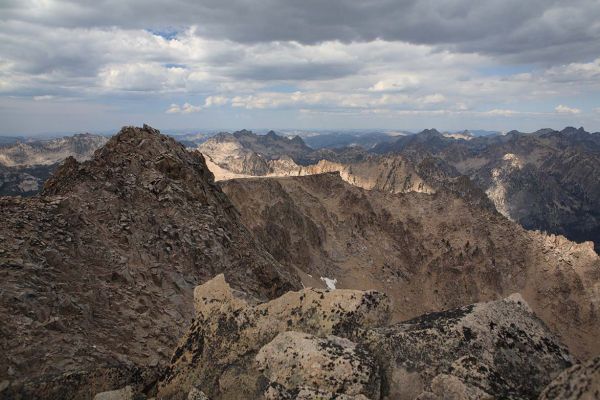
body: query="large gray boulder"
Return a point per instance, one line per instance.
(498, 349)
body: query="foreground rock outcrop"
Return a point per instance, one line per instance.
(321, 344)
(217, 353)
(580, 382)
(498, 349)
(98, 271)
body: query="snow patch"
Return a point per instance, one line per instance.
(329, 282)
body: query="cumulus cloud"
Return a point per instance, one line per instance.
(185, 108)
(398, 83)
(215, 101)
(566, 110)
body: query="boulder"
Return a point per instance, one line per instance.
(125, 393)
(497, 349)
(295, 360)
(580, 382)
(218, 351)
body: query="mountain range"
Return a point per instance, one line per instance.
(133, 273)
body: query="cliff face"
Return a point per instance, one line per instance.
(427, 252)
(99, 269)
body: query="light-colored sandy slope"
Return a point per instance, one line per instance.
(428, 252)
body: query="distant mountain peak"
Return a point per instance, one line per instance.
(430, 132)
(569, 130)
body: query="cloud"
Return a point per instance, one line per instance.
(395, 84)
(43, 97)
(382, 57)
(186, 108)
(566, 110)
(533, 29)
(215, 101)
(501, 113)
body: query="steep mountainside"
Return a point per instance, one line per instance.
(427, 252)
(24, 181)
(47, 152)
(545, 180)
(25, 165)
(99, 269)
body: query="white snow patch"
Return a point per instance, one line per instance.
(329, 282)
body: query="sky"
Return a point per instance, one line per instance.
(71, 66)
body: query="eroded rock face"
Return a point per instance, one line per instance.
(580, 382)
(498, 349)
(218, 351)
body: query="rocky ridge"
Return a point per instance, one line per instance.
(580, 382)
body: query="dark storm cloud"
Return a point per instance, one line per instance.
(527, 30)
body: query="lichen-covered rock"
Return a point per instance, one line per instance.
(580, 382)
(218, 351)
(275, 392)
(496, 349)
(125, 393)
(196, 394)
(449, 387)
(295, 360)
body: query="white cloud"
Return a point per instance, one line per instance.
(186, 108)
(215, 101)
(566, 110)
(433, 99)
(501, 113)
(43, 97)
(398, 83)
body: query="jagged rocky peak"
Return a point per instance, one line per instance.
(140, 157)
(430, 132)
(570, 130)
